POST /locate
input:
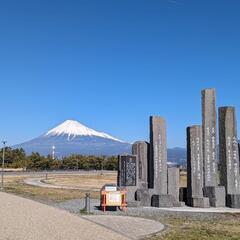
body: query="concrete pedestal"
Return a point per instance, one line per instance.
(216, 195)
(200, 202)
(143, 196)
(233, 200)
(164, 201)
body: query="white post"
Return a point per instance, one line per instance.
(3, 161)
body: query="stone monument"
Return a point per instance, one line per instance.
(158, 156)
(229, 156)
(157, 180)
(215, 193)
(173, 182)
(209, 137)
(128, 175)
(195, 168)
(141, 150)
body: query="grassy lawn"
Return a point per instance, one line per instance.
(226, 227)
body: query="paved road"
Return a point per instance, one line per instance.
(59, 172)
(39, 182)
(23, 219)
(131, 227)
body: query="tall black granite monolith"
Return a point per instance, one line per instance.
(158, 156)
(229, 155)
(195, 168)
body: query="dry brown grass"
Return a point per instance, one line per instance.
(89, 183)
(183, 179)
(85, 182)
(225, 228)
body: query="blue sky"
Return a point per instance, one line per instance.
(111, 64)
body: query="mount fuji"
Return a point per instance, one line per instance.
(72, 137)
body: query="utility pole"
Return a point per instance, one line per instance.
(3, 161)
(53, 152)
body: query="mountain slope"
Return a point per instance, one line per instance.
(73, 137)
(177, 155)
(74, 129)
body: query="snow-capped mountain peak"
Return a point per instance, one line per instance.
(73, 128)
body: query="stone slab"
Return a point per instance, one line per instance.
(158, 156)
(216, 195)
(163, 200)
(141, 150)
(233, 200)
(194, 163)
(228, 150)
(200, 202)
(209, 137)
(128, 175)
(173, 182)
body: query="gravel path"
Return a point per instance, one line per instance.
(75, 205)
(24, 219)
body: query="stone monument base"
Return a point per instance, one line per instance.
(131, 192)
(164, 200)
(182, 204)
(200, 202)
(144, 197)
(133, 204)
(216, 195)
(233, 200)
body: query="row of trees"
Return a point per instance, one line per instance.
(17, 158)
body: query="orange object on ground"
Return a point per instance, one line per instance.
(113, 199)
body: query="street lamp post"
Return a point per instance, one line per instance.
(3, 160)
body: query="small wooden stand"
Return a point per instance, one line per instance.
(122, 205)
